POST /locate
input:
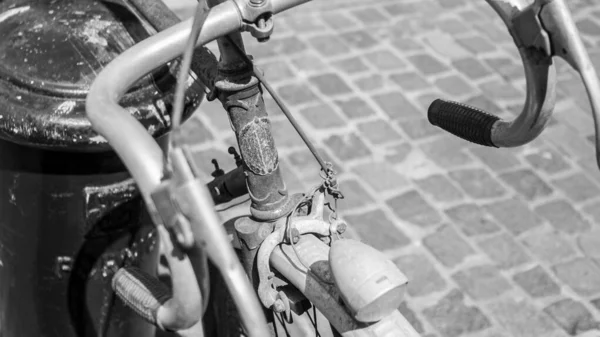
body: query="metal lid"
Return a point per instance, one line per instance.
(50, 53)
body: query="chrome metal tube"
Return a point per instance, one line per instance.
(540, 75)
(539, 104)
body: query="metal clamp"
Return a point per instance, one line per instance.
(311, 223)
(257, 18)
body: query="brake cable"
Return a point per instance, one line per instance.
(324, 166)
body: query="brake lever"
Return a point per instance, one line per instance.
(548, 26)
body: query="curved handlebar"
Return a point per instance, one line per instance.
(141, 154)
(480, 127)
(137, 149)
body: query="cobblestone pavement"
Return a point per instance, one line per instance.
(496, 242)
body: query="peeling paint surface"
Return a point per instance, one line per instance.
(50, 54)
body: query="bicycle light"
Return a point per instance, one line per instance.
(371, 285)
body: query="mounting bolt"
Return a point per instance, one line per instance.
(341, 227)
(278, 306)
(257, 2)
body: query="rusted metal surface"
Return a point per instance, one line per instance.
(242, 98)
(51, 52)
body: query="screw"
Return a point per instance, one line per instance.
(341, 227)
(257, 2)
(278, 306)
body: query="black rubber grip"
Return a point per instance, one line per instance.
(463, 121)
(140, 291)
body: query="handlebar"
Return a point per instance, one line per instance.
(482, 128)
(144, 158)
(541, 30)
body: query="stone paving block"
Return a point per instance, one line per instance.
(347, 147)
(570, 315)
(448, 246)
(477, 183)
(404, 44)
(522, 319)
(381, 176)
(427, 64)
(419, 128)
(411, 317)
(476, 44)
(472, 220)
(496, 159)
(454, 85)
(355, 195)
(338, 20)
(396, 106)
(369, 15)
(471, 67)
(504, 251)
(328, 45)
(577, 187)
(547, 160)
(370, 83)
(527, 183)
(285, 135)
(322, 116)
(536, 282)
(196, 132)
(308, 64)
(377, 230)
(351, 65)
(593, 212)
(439, 188)
(409, 81)
(482, 282)
(589, 243)
(296, 93)
(330, 84)
(581, 274)
(445, 46)
(423, 275)
(410, 206)
(379, 132)
(451, 26)
(355, 107)
(514, 215)
(359, 39)
(277, 71)
(563, 216)
(384, 60)
(453, 318)
(399, 153)
(549, 246)
(446, 152)
(498, 90)
(589, 27)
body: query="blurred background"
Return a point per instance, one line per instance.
(495, 242)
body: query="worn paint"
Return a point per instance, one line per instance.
(77, 43)
(92, 29)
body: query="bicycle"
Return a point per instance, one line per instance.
(304, 250)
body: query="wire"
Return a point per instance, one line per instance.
(179, 97)
(282, 106)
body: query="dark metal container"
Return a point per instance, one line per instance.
(69, 214)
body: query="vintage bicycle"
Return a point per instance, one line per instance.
(291, 271)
